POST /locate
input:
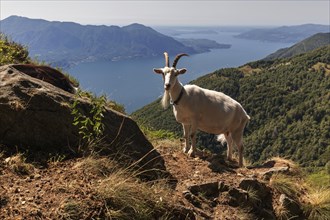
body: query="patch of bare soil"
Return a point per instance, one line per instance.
(45, 193)
(207, 184)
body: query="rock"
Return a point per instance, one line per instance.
(261, 190)
(192, 199)
(181, 213)
(237, 197)
(292, 207)
(269, 173)
(35, 116)
(207, 189)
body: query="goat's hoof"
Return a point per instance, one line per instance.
(191, 153)
(185, 150)
(230, 159)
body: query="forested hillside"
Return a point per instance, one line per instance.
(288, 101)
(311, 43)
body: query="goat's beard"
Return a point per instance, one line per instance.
(166, 99)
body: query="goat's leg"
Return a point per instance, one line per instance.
(192, 150)
(186, 132)
(238, 140)
(229, 141)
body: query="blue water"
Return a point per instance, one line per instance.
(133, 83)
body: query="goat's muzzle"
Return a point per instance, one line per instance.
(167, 86)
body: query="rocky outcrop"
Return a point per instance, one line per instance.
(250, 194)
(35, 117)
(293, 208)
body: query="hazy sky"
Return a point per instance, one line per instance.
(156, 12)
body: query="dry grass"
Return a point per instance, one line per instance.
(18, 165)
(253, 195)
(284, 185)
(322, 67)
(97, 166)
(248, 70)
(71, 209)
(123, 194)
(128, 198)
(281, 212)
(317, 204)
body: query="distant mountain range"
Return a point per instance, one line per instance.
(285, 34)
(68, 42)
(311, 43)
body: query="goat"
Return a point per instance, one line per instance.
(207, 110)
(47, 74)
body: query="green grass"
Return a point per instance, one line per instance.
(319, 180)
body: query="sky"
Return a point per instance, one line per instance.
(173, 12)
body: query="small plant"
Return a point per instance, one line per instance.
(56, 158)
(90, 125)
(11, 52)
(253, 195)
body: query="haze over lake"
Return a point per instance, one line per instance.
(133, 83)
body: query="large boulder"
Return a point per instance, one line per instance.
(35, 116)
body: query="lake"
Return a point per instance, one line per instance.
(133, 83)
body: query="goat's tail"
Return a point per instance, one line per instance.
(222, 139)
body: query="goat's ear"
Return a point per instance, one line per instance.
(159, 70)
(182, 71)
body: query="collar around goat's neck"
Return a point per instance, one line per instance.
(178, 98)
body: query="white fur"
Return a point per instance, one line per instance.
(207, 110)
(166, 99)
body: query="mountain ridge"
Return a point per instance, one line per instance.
(311, 43)
(59, 42)
(285, 34)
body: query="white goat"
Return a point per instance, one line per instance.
(197, 108)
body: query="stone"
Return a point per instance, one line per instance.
(275, 170)
(35, 116)
(192, 199)
(262, 191)
(206, 189)
(293, 208)
(237, 197)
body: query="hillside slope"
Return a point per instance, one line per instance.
(288, 101)
(311, 43)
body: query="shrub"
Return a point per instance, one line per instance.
(11, 52)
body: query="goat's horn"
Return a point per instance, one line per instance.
(177, 59)
(167, 61)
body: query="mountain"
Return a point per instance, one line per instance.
(285, 34)
(202, 45)
(287, 99)
(60, 42)
(311, 43)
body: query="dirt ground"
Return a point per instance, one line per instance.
(43, 193)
